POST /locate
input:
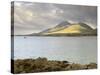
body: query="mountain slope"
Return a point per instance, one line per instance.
(67, 29)
(58, 27)
(79, 28)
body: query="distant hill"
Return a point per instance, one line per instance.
(95, 30)
(66, 28)
(58, 27)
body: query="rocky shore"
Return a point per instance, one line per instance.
(44, 65)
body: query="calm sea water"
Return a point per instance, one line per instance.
(74, 49)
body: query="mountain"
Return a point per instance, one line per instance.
(68, 29)
(94, 31)
(58, 27)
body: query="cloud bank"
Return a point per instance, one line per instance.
(35, 17)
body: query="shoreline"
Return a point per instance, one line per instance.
(45, 65)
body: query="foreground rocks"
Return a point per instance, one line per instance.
(44, 65)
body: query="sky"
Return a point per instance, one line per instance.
(32, 17)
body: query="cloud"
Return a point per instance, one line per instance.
(35, 17)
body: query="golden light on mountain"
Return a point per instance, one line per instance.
(74, 28)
